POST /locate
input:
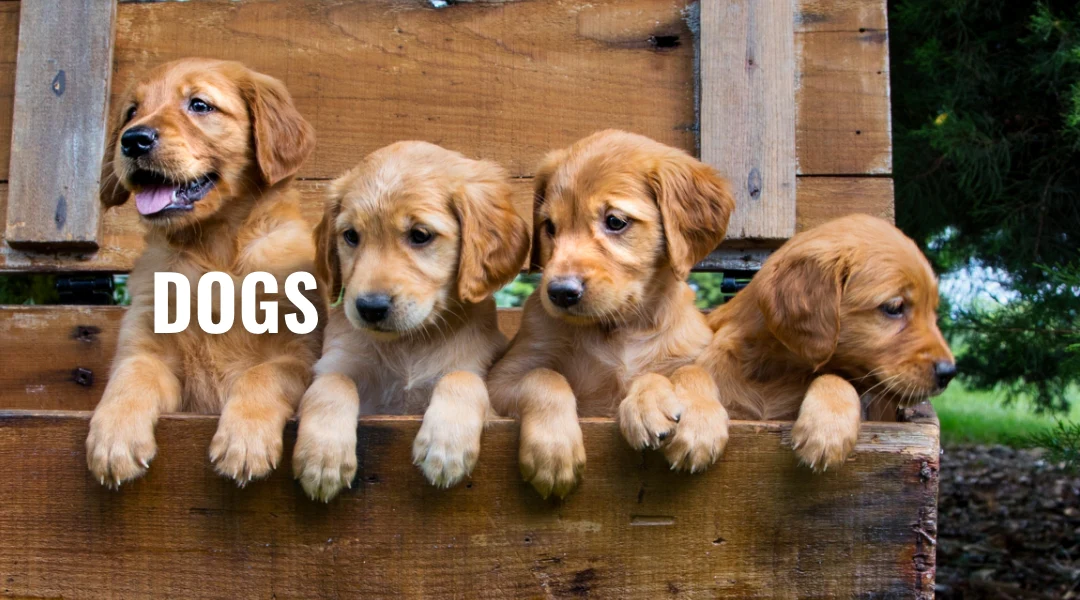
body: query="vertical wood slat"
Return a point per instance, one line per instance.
(61, 102)
(748, 110)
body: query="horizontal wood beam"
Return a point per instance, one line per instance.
(755, 525)
(819, 199)
(484, 79)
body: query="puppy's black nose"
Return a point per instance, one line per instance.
(566, 292)
(373, 307)
(138, 141)
(944, 371)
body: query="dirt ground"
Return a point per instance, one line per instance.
(1008, 526)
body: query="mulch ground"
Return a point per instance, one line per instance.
(1008, 526)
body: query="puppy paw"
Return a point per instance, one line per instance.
(246, 448)
(446, 447)
(827, 429)
(552, 455)
(120, 446)
(650, 413)
(700, 437)
(824, 445)
(324, 460)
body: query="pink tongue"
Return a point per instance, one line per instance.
(153, 200)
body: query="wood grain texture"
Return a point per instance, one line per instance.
(59, 357)
(755, 525)
(819, 199)
(59, 118)
(9, 50)
(844, 115)
(486, 79)
(748, 111)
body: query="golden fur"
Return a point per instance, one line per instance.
(431, 352)
(630, 342)
(811, 335)
(253, 141)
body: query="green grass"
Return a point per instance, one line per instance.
(983, 417)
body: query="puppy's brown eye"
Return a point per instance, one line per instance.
(130, 114)
(199, 106)
(549, 227)
(352, 238)
(419, 236)
(893, 308)
(615, 223)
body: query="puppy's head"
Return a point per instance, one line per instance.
(617, 216)
(195, 134)
(856, 295)
(415, 229)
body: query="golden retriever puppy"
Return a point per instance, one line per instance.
(843, 311)
(420, 238)
(619, 222)
(208, 148)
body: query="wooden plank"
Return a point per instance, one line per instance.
(819, 199)
(59, 357)
(748, 111)
(60, 115)
(505, 81)
(844, 114)
(756, 525)
(9, 50)
(823, 199)
(484, 79)
(56, 357)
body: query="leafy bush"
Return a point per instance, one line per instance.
(986, 121)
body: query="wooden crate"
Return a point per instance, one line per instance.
(505, 80)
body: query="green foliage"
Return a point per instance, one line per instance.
(513, 295)
(990, 417)
(707, 287)
(986, 121)
(28, 289)
(1062, 442)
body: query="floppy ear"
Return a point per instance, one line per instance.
(540, 184)
(799, 296)
(112, 192)
(327, 262)
(283, 138)
(494, 239)
(695, 203)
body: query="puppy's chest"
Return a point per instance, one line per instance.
(398, 386)
(601, 373)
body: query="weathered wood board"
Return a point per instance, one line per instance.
(819, 199)
(484, 78)
(756, 525)
(60, 104)
(748, 111)
(843, 87)
(59, 357)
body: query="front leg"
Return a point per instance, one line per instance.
(827, 428)
(324, 460)
(121, 442)
(702, 432)
(552, 450)
(448, 443)
(248, 442)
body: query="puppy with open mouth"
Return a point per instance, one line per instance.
(415, 239)
(619, 222)
(209, 149)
